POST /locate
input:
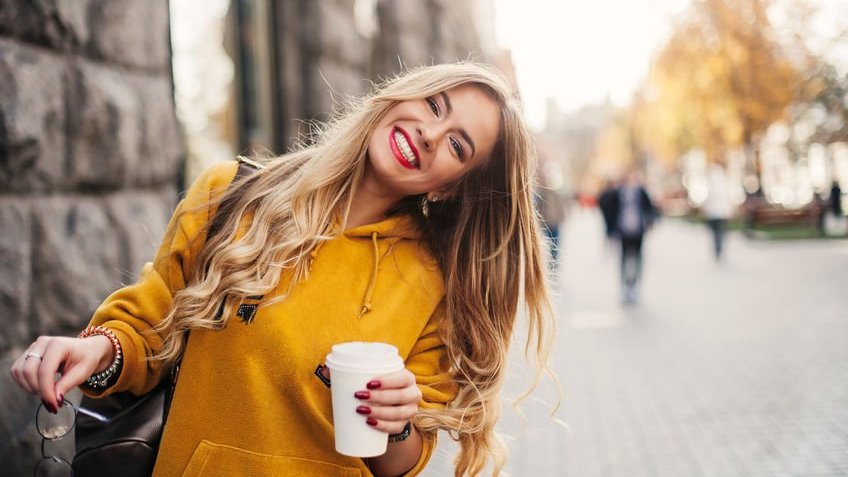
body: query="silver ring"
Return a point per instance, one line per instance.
(33, 354)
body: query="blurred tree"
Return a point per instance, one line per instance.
(719, 82)
(613, 146)
(828, 94)
(820, 113)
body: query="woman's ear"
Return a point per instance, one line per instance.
(445, 192)
(437, 195)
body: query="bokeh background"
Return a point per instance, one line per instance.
(736, 367)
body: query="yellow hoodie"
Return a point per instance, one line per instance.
(249, 400)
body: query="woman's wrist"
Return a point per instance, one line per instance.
(104, 350)
(111, 360)
(400, 456)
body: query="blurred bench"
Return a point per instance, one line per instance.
(762, 214)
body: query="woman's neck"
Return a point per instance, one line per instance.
(360, 216)
(369, 205)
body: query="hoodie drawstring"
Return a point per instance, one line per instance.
(366, 302)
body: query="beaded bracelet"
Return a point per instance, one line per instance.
(101, 380)
(403, 435)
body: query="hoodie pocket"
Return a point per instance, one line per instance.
(216, 460)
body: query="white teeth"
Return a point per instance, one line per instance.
(405, 149)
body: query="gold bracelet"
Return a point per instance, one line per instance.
(101, 380)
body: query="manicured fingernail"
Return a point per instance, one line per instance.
(50, 408)
(373, 384)
(371, 421)
(362, 395)
(363, 409)
(61, 398)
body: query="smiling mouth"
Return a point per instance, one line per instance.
(402, 149)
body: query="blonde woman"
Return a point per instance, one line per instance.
(408, 220)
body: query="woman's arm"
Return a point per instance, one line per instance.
(133, 311)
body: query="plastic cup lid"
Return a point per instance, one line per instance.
(364, 357)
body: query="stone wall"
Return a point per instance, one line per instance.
(90, 155)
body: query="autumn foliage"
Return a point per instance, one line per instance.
(720, 81)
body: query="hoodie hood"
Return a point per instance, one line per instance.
(392, 230)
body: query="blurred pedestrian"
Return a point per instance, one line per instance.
(606, 200)
(835, 201)
(552, 205)
(833, 220)
(634, 214)
(718, 206)
(409, 221)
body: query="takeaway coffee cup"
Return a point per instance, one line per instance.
(352, 365)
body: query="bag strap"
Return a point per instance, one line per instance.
(246, 167)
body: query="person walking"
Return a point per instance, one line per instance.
(552, 205)
(835, 200)
(634, 214)
(718, 206)
(833, 221)
(606, 204)
(408, 221)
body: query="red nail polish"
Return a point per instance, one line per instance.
(371, 421)
(363, 409)
(362, 395)
(373, 384)
(61, 399)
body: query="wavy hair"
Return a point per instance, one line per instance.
(486, 238)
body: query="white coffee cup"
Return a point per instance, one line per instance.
(352, 365)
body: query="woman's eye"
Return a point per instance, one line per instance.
(456, 147)
(434, 106)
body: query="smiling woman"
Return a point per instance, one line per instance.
(408, 221)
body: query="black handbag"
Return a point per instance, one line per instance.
(127, 445)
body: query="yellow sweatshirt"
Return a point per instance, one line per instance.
(248, 400)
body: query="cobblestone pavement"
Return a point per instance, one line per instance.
(738, 368)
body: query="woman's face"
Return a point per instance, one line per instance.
(425, 145)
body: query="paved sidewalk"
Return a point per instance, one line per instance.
(737, 368)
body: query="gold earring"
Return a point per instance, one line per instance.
(425, 207)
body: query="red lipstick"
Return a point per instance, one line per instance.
(396, 149)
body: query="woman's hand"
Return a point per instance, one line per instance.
(76, 359)
(390, 401)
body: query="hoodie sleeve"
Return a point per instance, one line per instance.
(428, 361)
(132, 311)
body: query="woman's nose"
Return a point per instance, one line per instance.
(424, 136)
(428, 135)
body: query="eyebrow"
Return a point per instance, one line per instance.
(462, 132)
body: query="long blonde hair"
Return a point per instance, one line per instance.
(486, 239)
